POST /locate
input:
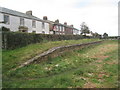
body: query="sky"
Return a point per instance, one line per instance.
(100, 15)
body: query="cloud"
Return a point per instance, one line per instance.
(100, 15)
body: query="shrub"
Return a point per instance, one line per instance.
(5, 29)
(12, 40)
(23, 28)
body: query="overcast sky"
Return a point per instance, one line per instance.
(100, 15)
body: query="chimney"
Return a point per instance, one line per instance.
(29, 12)
(65, 23)
(71, 25)
(57, 21)
(45, 18)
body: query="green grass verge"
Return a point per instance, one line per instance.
(96, 65)
(13, 58)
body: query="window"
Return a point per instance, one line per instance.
(22, 21)
(58, 28)
(33, 31)
(43, 25)
(34, 24)
(43, 32)
(61, 28)
(54, 28)
(6, 19)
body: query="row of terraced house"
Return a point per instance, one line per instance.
(26, 22)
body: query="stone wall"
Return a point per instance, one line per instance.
(54, 52)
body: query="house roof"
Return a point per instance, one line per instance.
(19, 14)
(52, 22)
(65, 25)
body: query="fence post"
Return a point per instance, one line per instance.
(4, 40)
(0, 58)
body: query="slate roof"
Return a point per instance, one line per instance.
(16, 13)
(65, 25)
(20, 14)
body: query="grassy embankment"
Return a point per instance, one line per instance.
(13, 58)
(93, 66)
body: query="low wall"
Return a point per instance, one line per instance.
(54, 52)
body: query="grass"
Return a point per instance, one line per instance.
(96, 65)
(13, 58)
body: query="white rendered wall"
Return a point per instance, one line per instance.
(38, 27)
(28, 23)
(46, 28)
(1, 19)
(14, 23)
(74, 32)
(51, 32)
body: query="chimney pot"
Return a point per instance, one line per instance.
(65, 23)
(57, 21)
(71, 25)
(45, 18)
(29, 12)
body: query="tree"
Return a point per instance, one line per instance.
(93, 34)
(84, 29)
(96, 34)
(105, 35)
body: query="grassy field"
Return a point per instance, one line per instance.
(13, 58)
(93, 66)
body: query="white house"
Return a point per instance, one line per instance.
(25, 22)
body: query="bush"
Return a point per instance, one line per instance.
(12, 40)
(23, 28)
(5, 29)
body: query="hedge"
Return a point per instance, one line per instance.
(12, 40)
